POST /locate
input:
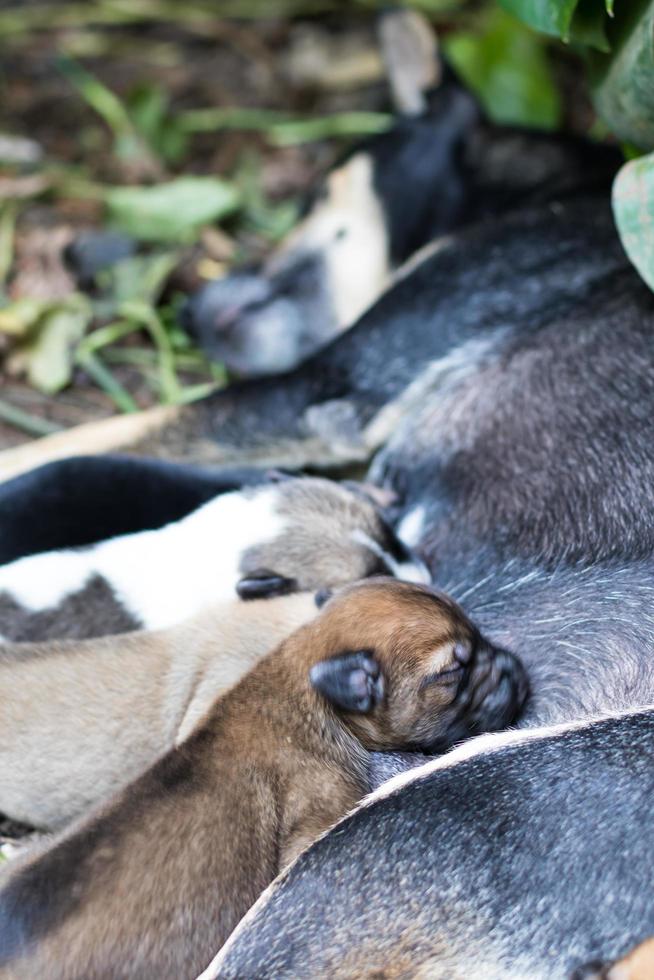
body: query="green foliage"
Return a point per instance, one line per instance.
(623, 83)
(50, 353)
(497, 52)
(49, 333)
(622, 75)
(506, 65)
(621, 62)
(171, 211)
(129, 145)
(633, 207)
(282, 128)
(549, 16)
(149, 109)
(139, 277)
(576, 20)
(589, 26)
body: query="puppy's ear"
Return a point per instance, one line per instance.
(350, 681)
(264, 584)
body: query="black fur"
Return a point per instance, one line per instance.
(87, 499)
(522, 353)
(92, 611)
(450, 168)
(527, 345)
(431, 175)
(527, 861)
(528, 444)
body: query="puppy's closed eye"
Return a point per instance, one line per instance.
(456, 660)
(264, 584)
(452, 675)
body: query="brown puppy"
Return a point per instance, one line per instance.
(152, 884)
(79, 720)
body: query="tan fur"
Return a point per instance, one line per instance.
(121, 431)
(357, 264)
(151, 885)
(637, 965)
(79, 720)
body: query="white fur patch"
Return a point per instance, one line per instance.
(411, 527)
(162, 576)
(413, 571)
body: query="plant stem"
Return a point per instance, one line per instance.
(33, 425)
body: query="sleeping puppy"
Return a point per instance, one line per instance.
(153, 882)
(80, 719)
(292, 535)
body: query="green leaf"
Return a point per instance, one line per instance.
(283, 129)
(633, 207)
(97, 95)
(34, 425)
(19, 317)
(549, 16)
(140, 277)
(149, 109)
(50, 355)
(174, 211)
(8, 216)
(623, 85)
(104, 378)
(588, 25)
(506, 66)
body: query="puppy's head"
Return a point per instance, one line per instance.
(326, 273)
(403, 666)
(327, 536)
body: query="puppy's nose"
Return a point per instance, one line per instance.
(322, 596)
(463, 653)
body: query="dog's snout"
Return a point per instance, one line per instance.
(495, 689)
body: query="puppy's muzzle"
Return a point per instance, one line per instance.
(490, 689)
(492, 692)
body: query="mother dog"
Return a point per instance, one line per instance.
(506, 385)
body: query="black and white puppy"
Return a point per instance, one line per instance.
(287, 536)
(85, 499)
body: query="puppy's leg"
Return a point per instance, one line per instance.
(258, 424)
